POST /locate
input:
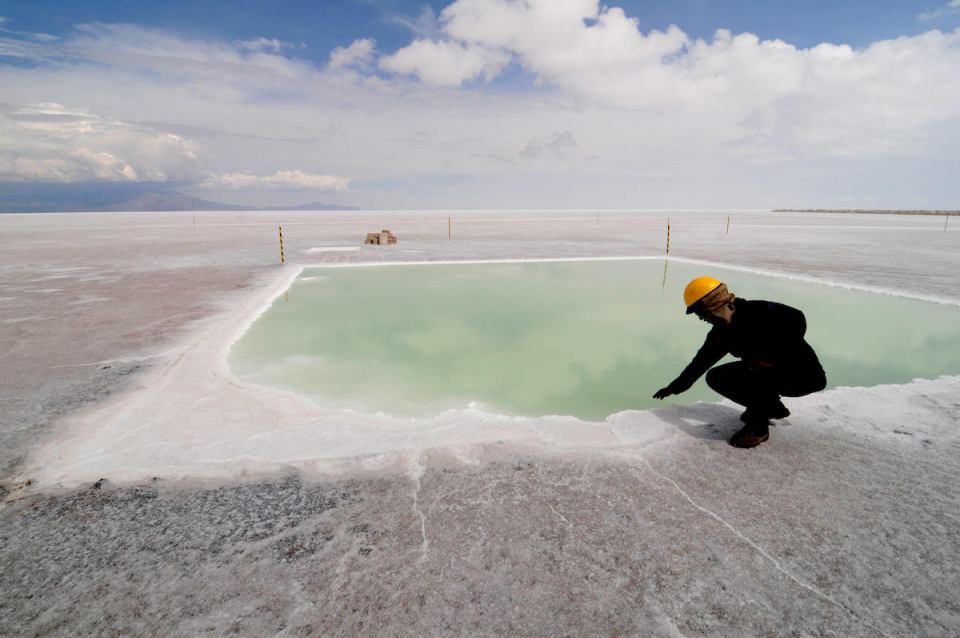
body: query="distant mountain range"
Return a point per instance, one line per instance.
(158, 202)
(881, 211)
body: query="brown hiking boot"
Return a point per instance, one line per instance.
(780, 411)
(777, 411)
(751, 435)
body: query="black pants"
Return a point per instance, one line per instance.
(759, 388)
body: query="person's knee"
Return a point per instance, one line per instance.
(816, 380)
(821, 382)
(716, 379)
(807, 384)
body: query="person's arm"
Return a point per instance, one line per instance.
(710, 352)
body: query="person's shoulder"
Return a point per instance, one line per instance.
(752, 304)
(762, 303)
(762, 309)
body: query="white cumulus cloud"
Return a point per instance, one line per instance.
(359, 52)
(281, 180)
(50, 142)
(769, 91)
(740, 114)
(446, 63)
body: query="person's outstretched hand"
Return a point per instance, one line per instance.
(662, 393)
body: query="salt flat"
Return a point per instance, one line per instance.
(228, 507)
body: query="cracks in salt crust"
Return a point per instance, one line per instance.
(120, 360)
(560, 516)
(759, 549)
(416, 471)
(624, 573)
(573, 528)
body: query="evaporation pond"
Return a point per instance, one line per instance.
(581, 338)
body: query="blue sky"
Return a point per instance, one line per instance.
(486, 103)
(325, 25)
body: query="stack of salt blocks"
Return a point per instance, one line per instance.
(383, 238)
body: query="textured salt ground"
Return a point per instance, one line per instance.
(512, 542)
(844, 524)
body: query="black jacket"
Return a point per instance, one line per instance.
(758, 332)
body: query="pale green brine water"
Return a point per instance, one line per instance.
(582, 338)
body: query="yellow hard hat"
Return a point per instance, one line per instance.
(697, 290)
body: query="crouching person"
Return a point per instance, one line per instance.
(775, 360)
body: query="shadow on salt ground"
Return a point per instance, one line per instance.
(703, 420)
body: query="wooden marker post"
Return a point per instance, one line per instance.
(449, 226)
(281, 245)
(668, 235)
(728, 224)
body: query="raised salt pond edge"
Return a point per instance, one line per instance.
(476, 408)
(191, 418)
